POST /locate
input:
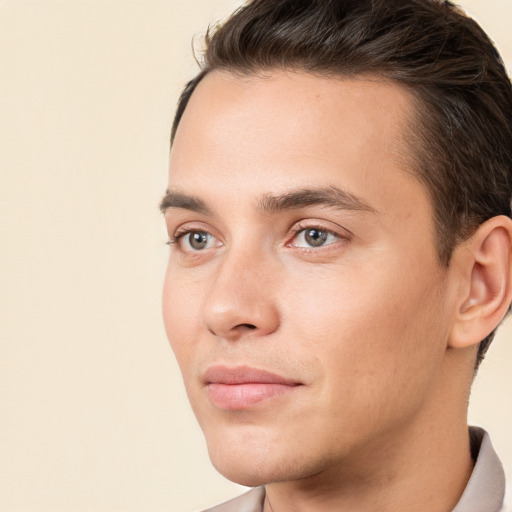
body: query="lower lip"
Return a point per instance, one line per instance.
(242, 396)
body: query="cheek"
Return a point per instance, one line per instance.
(370, 332)
(180, 304)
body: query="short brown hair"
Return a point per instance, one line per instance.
(462, 136)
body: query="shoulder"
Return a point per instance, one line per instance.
(251, 501)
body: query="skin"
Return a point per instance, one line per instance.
(363, 322)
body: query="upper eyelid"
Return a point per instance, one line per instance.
(189, 226)
(181, 232)
(298, 229)
(321, 225)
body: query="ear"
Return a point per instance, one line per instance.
(485, 266)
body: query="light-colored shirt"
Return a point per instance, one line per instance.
(484, 492)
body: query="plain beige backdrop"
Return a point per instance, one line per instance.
(93, 416)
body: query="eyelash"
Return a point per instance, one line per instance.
(180, 233)
(300, 228)
(175, 239)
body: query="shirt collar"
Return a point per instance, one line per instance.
(486, 487)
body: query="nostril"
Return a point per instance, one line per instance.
(237, 328)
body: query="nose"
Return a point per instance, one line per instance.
(240, 301)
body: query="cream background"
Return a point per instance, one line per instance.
(93, 416)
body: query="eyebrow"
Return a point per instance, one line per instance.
(183, 201)
(332, 196)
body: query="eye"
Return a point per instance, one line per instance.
(194, 241)
(314, 237)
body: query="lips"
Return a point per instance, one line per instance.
(243, 387)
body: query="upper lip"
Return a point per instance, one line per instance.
(244, 375)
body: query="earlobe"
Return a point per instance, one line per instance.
(487, 290)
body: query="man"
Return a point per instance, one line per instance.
(340, 253)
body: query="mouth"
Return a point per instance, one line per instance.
(243, 387)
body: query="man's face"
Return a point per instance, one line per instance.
(304, 250)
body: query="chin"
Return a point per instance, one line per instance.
(262, 464)
(255, 450)
(241, 463)
(242, 475)
(252, 473)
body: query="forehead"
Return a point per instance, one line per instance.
(249, 135)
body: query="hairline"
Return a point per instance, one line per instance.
(412, 139)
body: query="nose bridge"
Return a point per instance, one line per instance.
(240, 297)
